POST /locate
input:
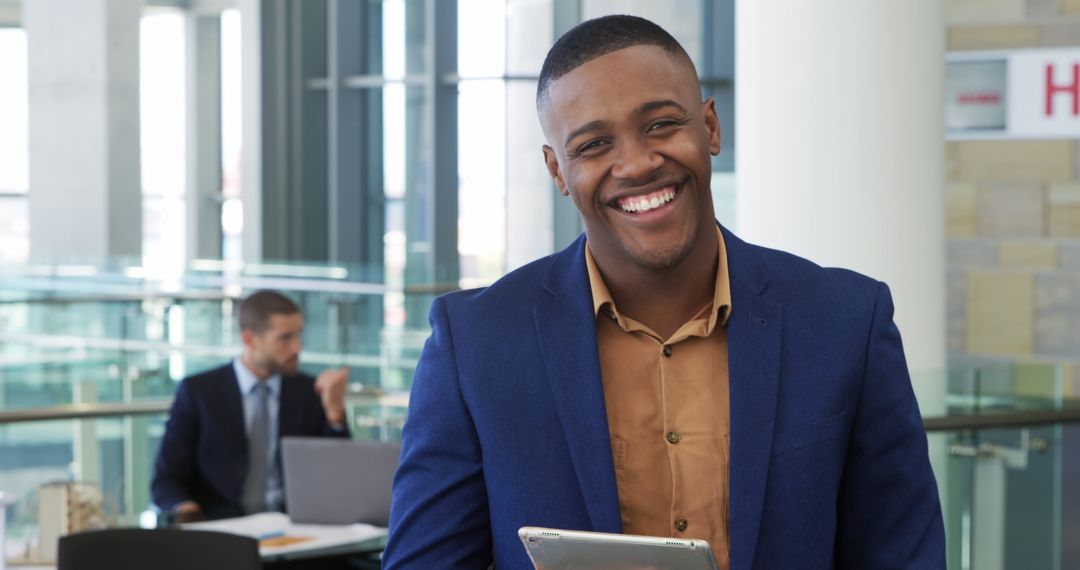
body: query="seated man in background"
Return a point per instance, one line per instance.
(220, 456)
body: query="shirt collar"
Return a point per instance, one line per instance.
(246, 379)
(721, 288)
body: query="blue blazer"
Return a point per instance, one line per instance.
(204, 454)
(507, 424)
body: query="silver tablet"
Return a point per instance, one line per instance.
(554, 549)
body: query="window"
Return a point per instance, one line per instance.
(14, 148)
(162, 116)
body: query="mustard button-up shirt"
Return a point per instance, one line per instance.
(668, 415)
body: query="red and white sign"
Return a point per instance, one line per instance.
(1044, 93)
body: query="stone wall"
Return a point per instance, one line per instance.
(1013, 211)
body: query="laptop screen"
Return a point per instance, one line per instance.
(338, 481)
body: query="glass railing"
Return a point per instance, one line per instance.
(90, 358)
(348, 310)
(88, 367)
(113, 446)
(110, 325)
(103, 370)
(115, 454)
(1005, 495)
(1003, 500)
(1002, 453)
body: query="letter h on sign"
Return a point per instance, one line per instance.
(1072, 89)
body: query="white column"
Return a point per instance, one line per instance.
(840, 144)
(85, 189)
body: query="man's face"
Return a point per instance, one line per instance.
(629, 140)
(278, 347)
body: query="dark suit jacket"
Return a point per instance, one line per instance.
(507, 424)
(204, 454)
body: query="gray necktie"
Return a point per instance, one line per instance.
(258, 448)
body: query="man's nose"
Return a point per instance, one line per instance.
(635, 160)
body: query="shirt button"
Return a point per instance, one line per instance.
(667, 350)
(681, 524)
(673, 437)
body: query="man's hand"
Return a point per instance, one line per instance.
(330, 385)
(188, 511)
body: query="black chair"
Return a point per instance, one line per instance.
(157, 549)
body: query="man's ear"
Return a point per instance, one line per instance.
(712, 125)
(248, 337)
(552, 163)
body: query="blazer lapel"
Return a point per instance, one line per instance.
(754, 338)
(233, 417)
(565, 327)
(287, 418)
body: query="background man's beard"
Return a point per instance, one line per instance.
(287, 367)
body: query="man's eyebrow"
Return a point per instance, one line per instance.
(587, 127)
(642, 109)
(658, 104)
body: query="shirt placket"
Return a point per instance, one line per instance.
(672, 438)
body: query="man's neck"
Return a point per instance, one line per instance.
(665, 300)
(261, 372)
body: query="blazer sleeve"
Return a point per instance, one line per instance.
(889, 511)
(176, 455)
(439, 516)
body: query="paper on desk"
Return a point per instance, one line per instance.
(268, 524)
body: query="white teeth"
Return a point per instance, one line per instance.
(646, 204)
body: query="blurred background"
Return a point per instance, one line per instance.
(159, 159)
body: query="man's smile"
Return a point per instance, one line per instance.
(649, 201)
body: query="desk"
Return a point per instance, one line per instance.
(357, 555)
(320, 546)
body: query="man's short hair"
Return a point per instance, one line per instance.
(257, 308)
(601, 36)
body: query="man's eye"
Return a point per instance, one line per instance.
(661, 124)
(591, 145)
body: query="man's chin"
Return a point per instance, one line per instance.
(660, 259)
(660, 252)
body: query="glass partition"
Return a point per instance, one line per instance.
(113, 454)
(1002, 497)
(103, 337)
(92, 335)
(1002, 493)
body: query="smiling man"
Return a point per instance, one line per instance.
(661, 376)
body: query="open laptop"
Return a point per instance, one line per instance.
(338, 481)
